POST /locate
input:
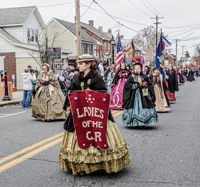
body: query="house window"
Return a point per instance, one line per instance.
(91, 49)
(36, 36)
(32, 35)
(28, 35)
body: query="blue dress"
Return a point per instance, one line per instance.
(139, 116)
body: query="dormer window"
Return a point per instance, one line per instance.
(32, 35)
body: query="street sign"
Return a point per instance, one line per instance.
(54, 53)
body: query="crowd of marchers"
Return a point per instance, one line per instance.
(140, 92)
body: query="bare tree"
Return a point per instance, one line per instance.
(197, 50)
(41, 55)
(146, 38)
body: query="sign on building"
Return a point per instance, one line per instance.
(54, 53)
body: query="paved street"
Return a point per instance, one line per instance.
(164, 155)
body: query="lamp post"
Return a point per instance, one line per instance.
(6, 97)
(112, 41)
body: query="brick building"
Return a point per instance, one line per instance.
(103, 50)
(9, 64)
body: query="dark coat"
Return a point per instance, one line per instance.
(117, 75)
(96, 84)
(190, 76)
(172, 81)
(129, 93)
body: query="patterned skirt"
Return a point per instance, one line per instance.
(139, 116)
(93, 159)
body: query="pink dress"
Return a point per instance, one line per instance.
(117, 93)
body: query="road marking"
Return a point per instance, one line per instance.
(29, 155)
(34, 152)
(113, 112)
(12, 114)
(118, 113)
(4, 159)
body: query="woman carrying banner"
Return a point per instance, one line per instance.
(83, 161)
(119, 81)
(138, 100)
(49, 99)
(160, 88)
(172, 81)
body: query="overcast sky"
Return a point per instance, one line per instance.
(177, 13)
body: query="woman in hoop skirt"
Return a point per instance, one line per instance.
(172, 81)
(86, 161)
(138, 100)
(119, 81)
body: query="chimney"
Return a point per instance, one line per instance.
(121, 37)
(74, 19)
(91, 22)
(101, 28)
(109, 31)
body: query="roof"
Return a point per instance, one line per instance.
(71, 27)
(8, 36)
(103, 35)
(18, 16)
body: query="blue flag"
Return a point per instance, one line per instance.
(159, 60)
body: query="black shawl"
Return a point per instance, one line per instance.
(172, 81)
(117, 76)
(129, 93)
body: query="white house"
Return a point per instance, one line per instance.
(66, 39)
(20, 30)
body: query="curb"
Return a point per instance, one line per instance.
(9, 103)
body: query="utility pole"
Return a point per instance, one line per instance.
(183, 51)
(46, 52)
(157, 18)
(176, 53)
(78, 28)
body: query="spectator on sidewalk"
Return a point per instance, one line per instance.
(101, 69)
(76, 71)
(66, 73)
(34, 82)
(30, 68)
(27, 87)
(61, 81)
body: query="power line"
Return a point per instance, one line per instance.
(117, 17)
(191, 33)
(153, 7)
(139, 9)
(186, 31)
(87, 8)
(147, 7)
(55, 5)
(113, 17)
(69, 12)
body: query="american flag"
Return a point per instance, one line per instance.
(119, 54)
(143, 67)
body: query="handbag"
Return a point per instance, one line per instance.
(69, 124)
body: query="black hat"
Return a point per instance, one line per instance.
(147, 67)
(155, 68)
(138, 64)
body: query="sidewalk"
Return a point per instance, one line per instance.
(17, 98)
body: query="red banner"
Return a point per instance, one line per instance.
(90, 113)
